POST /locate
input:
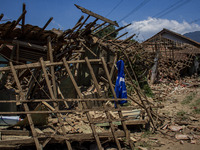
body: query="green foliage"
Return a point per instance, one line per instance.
(106, 31)
(146, 133)
(188, 98)
(196, 106)
(182, 115)
(147, 90)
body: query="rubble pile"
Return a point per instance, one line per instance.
(61, 84)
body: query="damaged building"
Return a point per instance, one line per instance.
(175, 55)
(59, 86)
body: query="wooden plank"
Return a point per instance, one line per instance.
(88, 27)
(127, 39)
(32, 81)
(61, 95)
(23, 18)
(60, 138)
(29, 45)
(47, 23)
(101, 29)
(68, 100)
(96, 15)
(1, 16)
(15, 132)
(98, 26)
(18, 83)
(14, 24)
(121, 28)
(120, 36)
(65, 111)
(89, 49)
(76, 33)
(55, 103)
(47, 63)
(138, 91)
(83, 104)
(128, 122)
(17, 53)
(52, 67)
(113, 67)
(99, 93)
(37, 144)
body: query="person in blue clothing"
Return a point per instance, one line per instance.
(120, 87)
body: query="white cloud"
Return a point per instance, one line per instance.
(150, 26)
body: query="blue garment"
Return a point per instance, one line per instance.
(120, 87)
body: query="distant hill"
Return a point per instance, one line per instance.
(193, 35)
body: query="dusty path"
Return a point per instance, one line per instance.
(182, 111)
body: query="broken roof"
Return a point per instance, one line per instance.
(168, 34)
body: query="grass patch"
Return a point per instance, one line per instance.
(196, 106)
(188, 98)
(142, 144)
(196, 111)
(146, 134)
(181, 114)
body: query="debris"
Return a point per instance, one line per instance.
(142, 148)
(175, 128)
(182, 137)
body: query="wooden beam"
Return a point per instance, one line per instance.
(101, 29)
(63, 99)
(14, 24)
(89, 49)
(18, 84)
(118, 106)
(54, 103)
(66, 111)
(15, 132)
(82, 24)
(83, 104)
(127, 39)
(47, 63)
(96, 15)
(120, 36)
(1, 16)
(99, 26)
(23, 18)
(88, 27)
(121, 28)
(29, 45)
(99, 93)
(48, 22)
(37, 144)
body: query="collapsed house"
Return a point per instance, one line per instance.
(175, 55)
(61, 83)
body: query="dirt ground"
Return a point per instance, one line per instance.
(181, 129)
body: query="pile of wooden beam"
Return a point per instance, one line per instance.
(60, 75)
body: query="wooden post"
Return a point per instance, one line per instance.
(120, 36)
(14, 24)
(98, 26)
(118, 106)
(55, 104)
(23, 18)
(1, 16)
(99, 92)
(84, 104)
(48, 22)
(38, 146)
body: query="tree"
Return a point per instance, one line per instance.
(106, 31)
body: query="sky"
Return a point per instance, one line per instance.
(147, 17)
